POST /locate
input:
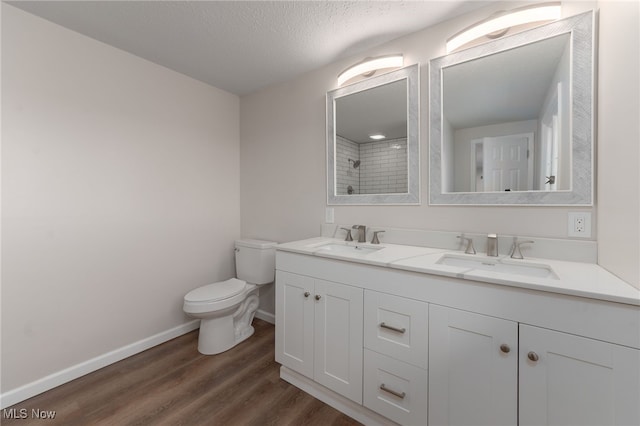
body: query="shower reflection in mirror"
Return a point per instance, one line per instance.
(377, 167)
(372, 140)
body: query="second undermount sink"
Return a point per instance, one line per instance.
(337, 248)
(504, 266)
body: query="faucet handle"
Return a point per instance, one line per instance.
(470, 249)
(516, 253)
(375, 239)
(348, 237)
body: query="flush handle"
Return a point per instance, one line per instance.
(396, 329)
(400, 395)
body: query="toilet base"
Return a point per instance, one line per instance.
(229, 328)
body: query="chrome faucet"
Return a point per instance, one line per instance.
(492, 245)
(362, 233)
(515, 250)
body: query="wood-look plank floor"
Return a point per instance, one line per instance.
(174, 384)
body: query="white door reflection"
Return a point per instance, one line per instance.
(502, 163)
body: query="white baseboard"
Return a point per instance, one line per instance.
(266, 316)
(44, 384)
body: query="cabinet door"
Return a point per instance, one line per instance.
(473, 368)
(294, 322)
(571, 380)
(338, 338)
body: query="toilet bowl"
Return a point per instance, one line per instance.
(226, 308)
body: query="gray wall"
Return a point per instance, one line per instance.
(120, 183)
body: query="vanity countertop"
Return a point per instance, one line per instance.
(570, 278)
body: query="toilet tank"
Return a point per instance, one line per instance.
(256, 261)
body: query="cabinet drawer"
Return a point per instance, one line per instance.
(395, 389)
(397, 327)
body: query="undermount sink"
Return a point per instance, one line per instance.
(347, 249)
(503, 266)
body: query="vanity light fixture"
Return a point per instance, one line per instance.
(369, 66)
(499, 24)
(377, 137)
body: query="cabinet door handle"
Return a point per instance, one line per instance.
(533, 356)
(318, 297)
(400, 395)
(306, 294)
(396, 329)
(505, 348)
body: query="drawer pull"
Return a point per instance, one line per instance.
(400, 395)
(306, 294)
(533, 356)
(388, 327)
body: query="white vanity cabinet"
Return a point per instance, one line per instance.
(389, 345)
(319, 331)
(566, 379)
(473, 368)
(483, 368)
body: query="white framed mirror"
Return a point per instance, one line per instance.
(373, 142)
(511, 120)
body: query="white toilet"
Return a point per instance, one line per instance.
(226, 308)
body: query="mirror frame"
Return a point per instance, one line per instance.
(411, 74)
(582, 42)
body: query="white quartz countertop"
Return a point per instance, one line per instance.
(571, 278)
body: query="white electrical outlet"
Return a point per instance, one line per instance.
(579, 224)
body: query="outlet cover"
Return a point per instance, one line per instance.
(579, 224)
(328, 215)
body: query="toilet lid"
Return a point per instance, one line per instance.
(216, 291)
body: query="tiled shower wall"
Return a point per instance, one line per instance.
(345, 173)
(383, 167)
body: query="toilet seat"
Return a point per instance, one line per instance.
(216, 291)
(216, 296)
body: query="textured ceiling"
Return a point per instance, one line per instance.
(242, 46)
